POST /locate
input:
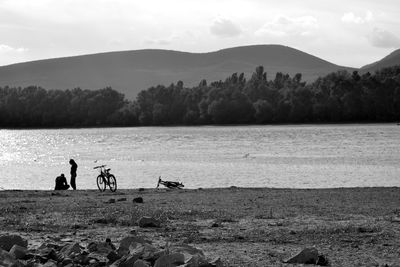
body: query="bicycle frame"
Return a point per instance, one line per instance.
(106, 178)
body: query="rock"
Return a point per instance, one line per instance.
(7, 241)
(71, 249)
(186, 250)
(101, 248)
(67, 261)
(197, 261)
(49, 254)
(306, 256)
(215, 225)
(121, 199)
(6, 259)
(141, 263)
(113, 256)
(170, 260)
(130, 242)
(111, 200)
(92, 247)
(216, 262)
(50, 263)
(126, 261)
(110, 244)
(98, 257)
(82, 258)
(138, 200)
(18, 252)
(141, 189)
(146, 252)
(148, 222)
(322, 261)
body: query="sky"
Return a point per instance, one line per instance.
(350, 33)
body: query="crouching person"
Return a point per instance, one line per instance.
(61, 183)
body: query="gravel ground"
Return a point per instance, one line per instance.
(242, 226)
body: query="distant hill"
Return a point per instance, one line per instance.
(132, 71)
(390, 60)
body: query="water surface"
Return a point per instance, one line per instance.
(306, 156)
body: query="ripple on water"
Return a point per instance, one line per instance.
(274, 156)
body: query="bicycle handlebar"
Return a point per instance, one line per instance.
(101, 166)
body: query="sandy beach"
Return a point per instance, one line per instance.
(241, 226)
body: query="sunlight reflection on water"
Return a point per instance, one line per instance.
(306, 156)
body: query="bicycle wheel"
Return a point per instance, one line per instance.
(101, 183)
(112, 183)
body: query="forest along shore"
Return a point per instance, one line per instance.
(241, 226)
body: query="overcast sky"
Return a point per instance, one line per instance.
(351, 32)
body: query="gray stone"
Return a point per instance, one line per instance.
(322, 261)
(141, 263)
(67, 261)
(50, 263)
(8, 241)
(186, 250)
(148, 222)
(216, 262)
(98, 257)
(170, 260)
(129, 243)
(138, 200)
(48, 253)
(113, 256)
(18, 252)
(6, 259)
(306, 256)
(126, 261)
(72, 249)
(197, 261)
(92, 247)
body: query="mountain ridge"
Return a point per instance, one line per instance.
(390, 60)
(134, 70)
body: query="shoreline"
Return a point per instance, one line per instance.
(344, 123)
(202, 188)
(241, 226)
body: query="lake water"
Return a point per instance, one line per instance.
(306, 156)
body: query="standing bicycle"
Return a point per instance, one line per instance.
(105, 179)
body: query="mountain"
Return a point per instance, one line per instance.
(132, 71)
(390, 60)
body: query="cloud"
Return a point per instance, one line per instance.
(284, 26)
(350, 17)
(225, 28)
(9, 49)
(383, 38)
(157, 42)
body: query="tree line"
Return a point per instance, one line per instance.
(337, 97)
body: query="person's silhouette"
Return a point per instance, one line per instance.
(61, 183)
(74, 167)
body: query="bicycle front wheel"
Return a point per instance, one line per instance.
(101, 183)
(112, 183)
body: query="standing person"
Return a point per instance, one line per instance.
(74, 167)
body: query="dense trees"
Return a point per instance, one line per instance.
(35, 107)
(337, 97)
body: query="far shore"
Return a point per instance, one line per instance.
(242, 226)
(347, 123)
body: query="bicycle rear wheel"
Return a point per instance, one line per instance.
(101, 183)
(112, 183)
